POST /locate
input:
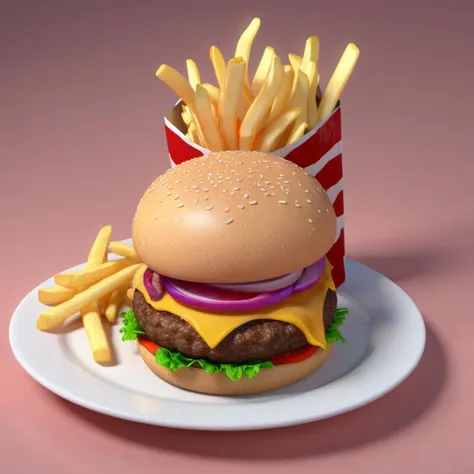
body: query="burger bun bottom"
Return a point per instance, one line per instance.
(198, 380)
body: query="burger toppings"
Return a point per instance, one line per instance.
(234, 297)
(304, 310)
(217, 299)
(174, 360)
(264, 285)
(152, 282)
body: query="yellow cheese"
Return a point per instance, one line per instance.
(304, 310)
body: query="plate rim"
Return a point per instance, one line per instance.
(218, 422)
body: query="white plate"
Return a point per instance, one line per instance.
(385, 340)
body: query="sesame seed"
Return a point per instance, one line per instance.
(268, 182)
(196, 201)
(155, 217)
(161, 200)
(246, 195)
(195, 187)
(208, 208)
(232, 193)
(297, 204)
(240, 206)
(319, 211)
(310, 220)
(168, 193)
(239, 180)
(261, 176)
(286, 182)
(226, 209)
(237, 189)
(268, 194)
(282, 202)
(327, 210)
(262, 189)
(306, 191)
(176, 197)
(252, 203)
(177, 181)
(308, 201)
(206, 190)
(229, 221)
(180, 205)
(206, 198)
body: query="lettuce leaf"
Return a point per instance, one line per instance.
(173, 360)
(130, 328)
(332, 332)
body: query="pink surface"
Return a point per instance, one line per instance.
(82, 137)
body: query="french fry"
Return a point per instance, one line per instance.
(218, 62)
(98, 251)
(114, 304)
(297, 133)
(57, 315)
(91, 313)
(129, 297)
(214, 94)
(90, 276)
(194, 76)
(229, 102)
(283, 96)
(96, 335)
(271, 135)
(192, 134)
(311, 52)
(254, 118)
(338, 81)
(295, 61)
(186, 115)
(262, 70)
(206, 118)
(299, 95)
(312, 106)
(244, 47)
(55, 295)
(124, 250)
(181, 87)
(177, 83)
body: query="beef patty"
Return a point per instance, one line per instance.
(256, 340)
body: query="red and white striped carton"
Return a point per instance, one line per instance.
(318, 152)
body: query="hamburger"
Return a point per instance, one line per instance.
(235, 294)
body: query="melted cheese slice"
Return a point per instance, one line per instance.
(304, 310)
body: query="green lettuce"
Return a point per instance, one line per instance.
(173, 360)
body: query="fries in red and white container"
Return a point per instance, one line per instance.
(281, 111)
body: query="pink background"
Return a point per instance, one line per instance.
(82, 137)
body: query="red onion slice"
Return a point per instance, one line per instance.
(216, 299)
(152, 282)
(263, 286)
(310, 276)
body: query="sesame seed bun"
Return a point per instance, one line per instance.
(233, 217)
(198, 380)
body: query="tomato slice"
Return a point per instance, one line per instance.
(149, 345)
(286, 358)
(294, 356)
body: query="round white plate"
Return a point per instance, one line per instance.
(385, 340)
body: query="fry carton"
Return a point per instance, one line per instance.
(318, 152)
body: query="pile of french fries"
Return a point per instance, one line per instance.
(97, 292)
(273, 110)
